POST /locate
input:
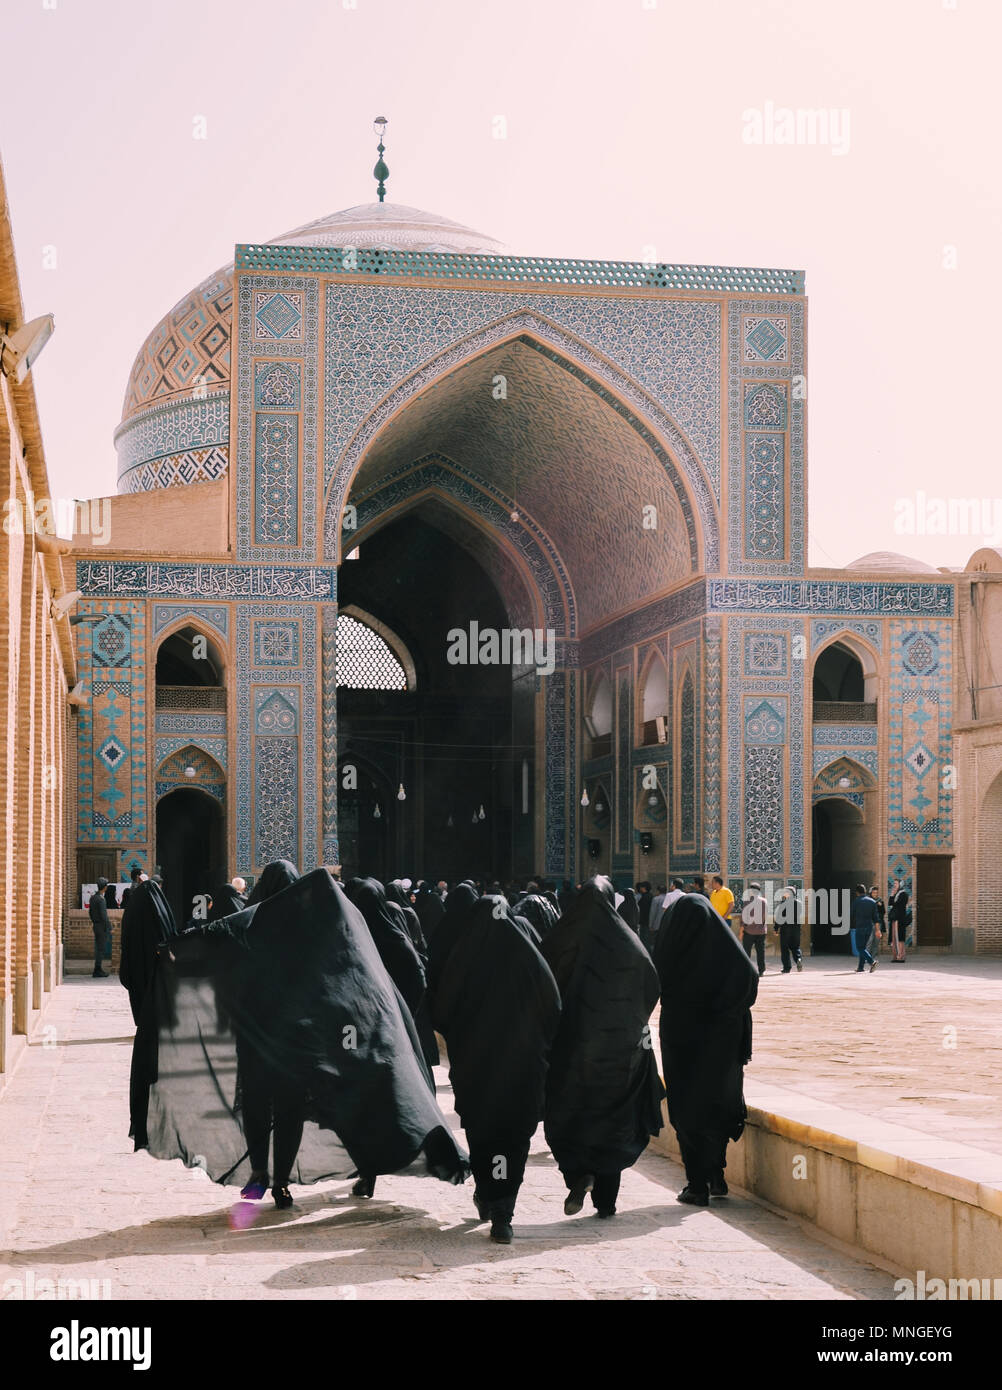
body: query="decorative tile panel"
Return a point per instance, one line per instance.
(276, 644)
(111, 731)
(278, 315)
(823, 631)
(809, 596)
(276, 479)
(142, 579)
(920, 740)
(765, 496)
(767, 654)
(278, 385)
(763, 809)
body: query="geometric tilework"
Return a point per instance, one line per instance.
(176, 470)
(277, 385)
(827, 757)
(189, 347)
(276, 644)
(200, 726)
(276, 461)
(822, 629)
(190, 422)
(765, 495)
(763, 730)
(278, 315)
(687, 762)
(111, 767)
(919, 735)
(559, 790)
(276, 800)
(765, 720)
(172, 772)
(216, 616)
(851, 770)
(214, 746)
(328, 658)
(766, 348)
(282, 712)
(713, 753)
(763, 809)
(766, 654)
(765, 338)
(845, 736)
(765, 405)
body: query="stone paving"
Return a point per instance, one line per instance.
(918, 1044)
(78, 1205)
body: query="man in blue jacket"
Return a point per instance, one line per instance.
(864, 922)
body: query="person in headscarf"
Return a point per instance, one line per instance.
(398, 953)
(458, 909)
(319, 1029)
(279, 874)
(429, 908)
(146, 923)
(787, 922)
(899, 919)
(603, 1093)
(497, 1006)
(629, 910)
(111, 896)
(399, 895)
(97, 908)
(708, 986)
(538, 912)
(225, 901)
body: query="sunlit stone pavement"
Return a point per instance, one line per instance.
(77, 1204)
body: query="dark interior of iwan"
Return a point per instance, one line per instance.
(458, 740)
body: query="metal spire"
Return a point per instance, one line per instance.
(380, 172)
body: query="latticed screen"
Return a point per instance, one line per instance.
(364, 661)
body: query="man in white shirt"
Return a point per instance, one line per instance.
(754, 916)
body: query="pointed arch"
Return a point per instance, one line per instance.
(619, 391)
(863, 651)
(652, 701)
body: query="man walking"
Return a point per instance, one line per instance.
(754, 915)
(864, 923)
(661, 908)
(721, 898)
(787, 925)
(98, 910)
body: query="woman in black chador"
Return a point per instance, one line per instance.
(603, 1093)
(497, 1006)
(320, 1045)
(146, 923)
(708, 986)
(405, 967)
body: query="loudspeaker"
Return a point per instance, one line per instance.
(646, 842)
(594, 848)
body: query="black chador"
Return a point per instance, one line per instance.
(459, 907)
(497, 1006)
(146, 923)
(708, 986)
(398, 953)
(603, 1094)
(539, 912)
(429, 908)
(310, 997)
(274, 877)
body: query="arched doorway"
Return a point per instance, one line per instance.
(190, 847)
(988, 923)
(842, 857)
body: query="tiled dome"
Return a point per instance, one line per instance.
(185, 361)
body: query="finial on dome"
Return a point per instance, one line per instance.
(380, 172)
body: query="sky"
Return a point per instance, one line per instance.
(608, 129)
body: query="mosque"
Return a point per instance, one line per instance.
(431, 558)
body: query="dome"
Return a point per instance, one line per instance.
(185, 361)
(890, 562)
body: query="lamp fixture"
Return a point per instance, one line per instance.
(844, 782)
(600, 808)
(584, 798)
(401, 794)
(482, 815)
(19, 349)
(190, 772)
(377, 813)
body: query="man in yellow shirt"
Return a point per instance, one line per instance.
(721, 898)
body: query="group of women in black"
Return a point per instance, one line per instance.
(306, 1019)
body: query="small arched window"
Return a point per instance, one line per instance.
(654, 702)
(598, 721)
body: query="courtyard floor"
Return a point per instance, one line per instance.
(77, 1204)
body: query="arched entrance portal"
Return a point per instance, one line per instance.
(456, 732)
(842, 858)
(190, 847)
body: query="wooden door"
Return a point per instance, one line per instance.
(933, 905)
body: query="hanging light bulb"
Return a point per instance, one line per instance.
(482, 814)
(584, 798)
(652, 800)
(377, 813)
(600, 808)
(401, 794)
(448, 823)
(475, 817)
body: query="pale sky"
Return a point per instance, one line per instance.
(624, 129)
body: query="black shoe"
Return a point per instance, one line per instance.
(483, 1208)
(364, 1187)
(800, 965)
(256, 1187)
(692, 1198)
(784, 972)
(283, 1197)
(718, 1186)
(501, 1232)
(605, 1211)
(99, 975)
(574, 1200)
